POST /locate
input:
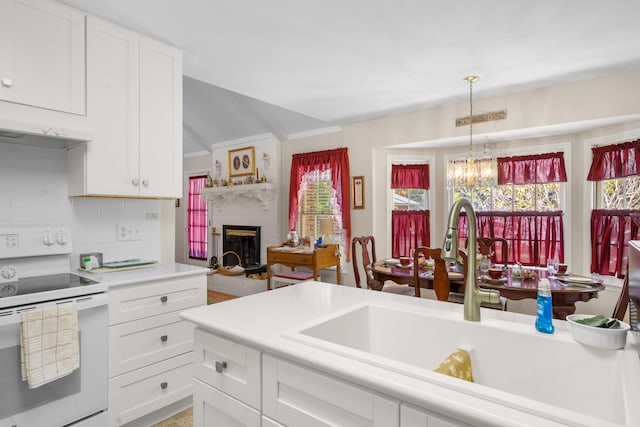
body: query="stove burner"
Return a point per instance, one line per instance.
(29, 285)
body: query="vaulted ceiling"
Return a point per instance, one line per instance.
(288, 67)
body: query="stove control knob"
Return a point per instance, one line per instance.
(62, 239)
(47, 240)
(8, 273)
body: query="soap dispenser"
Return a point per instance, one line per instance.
(544, 310)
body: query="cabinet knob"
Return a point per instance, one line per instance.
(7, 82)
(164, 298)
(164, 385)
(220, 367)
(135, 182)
(163, 338)
(145, 182)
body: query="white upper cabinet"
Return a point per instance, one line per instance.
(42, 55)
(160, 119)
(134, 104)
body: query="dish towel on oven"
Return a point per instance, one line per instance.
(49, 343)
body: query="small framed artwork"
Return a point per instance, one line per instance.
(242, 162)
(358, 192)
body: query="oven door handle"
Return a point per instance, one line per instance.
(13, 315)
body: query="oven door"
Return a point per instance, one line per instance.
(69, 399)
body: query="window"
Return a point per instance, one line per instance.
(410, 226)
(319, 213)
(616, 171)
(319, 196)
(197, 224)
(525, 208)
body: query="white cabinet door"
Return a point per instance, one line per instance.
(42, 61)
(412, 416)
(231, 367)
(298, 396)
(112, 157)
(160, 119)
(214, 408)
(134, 103)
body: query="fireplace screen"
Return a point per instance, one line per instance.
(243, 240)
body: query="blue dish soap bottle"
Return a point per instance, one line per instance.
(545, 308)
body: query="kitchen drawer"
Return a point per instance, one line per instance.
(133, 345)
(140, 392)
(150, 299)
(240, 376)
(287, 258)
(298, 396)
(212, 407)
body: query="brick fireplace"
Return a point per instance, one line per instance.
(244, 240)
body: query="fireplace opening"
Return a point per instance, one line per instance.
(243, 240)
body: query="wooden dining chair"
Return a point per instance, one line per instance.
(367, 259)
(623, 300)
(486, 245)
(441, 285)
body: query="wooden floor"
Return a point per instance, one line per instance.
(215, 296)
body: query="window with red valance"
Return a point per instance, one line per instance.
(409, 217)
(615, 169)
(525, 208)
(335, 165)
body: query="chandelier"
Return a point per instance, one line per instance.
(472, 172)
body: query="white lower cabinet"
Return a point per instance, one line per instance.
(150, 346)
(298, 396)
(237, 385)
(412, 416)
(212, 407)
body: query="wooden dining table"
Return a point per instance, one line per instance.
(564, 295)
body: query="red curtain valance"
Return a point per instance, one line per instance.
(410, 176)
(532, 169)
(615, 161)
(338, 162)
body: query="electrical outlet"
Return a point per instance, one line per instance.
(128, 232)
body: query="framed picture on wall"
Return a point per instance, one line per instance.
(242, 161)
(358, 192)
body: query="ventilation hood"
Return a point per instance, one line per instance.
(43, 134)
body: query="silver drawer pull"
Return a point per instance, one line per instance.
(220, 367)
(163, 338)
(164, 385)
(164, 298)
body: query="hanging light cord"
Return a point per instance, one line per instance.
(470, 80)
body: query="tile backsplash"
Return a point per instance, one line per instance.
(33, 191)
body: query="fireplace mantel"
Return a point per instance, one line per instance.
(263, 192)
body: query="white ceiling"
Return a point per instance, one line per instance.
(315, 64)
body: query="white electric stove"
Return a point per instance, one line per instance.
(34, 273)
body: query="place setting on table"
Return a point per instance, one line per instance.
(518, 282)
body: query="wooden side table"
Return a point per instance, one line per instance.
(321, 257)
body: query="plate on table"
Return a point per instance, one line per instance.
(455, 275)
(404, 267)
(391, 261)
(578, 281)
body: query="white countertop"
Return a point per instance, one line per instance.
(145, 274)
(262, 320)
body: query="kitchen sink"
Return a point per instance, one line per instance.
(512, 363)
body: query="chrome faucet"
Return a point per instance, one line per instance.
(473, 296)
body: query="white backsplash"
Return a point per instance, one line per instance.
(33, 191)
